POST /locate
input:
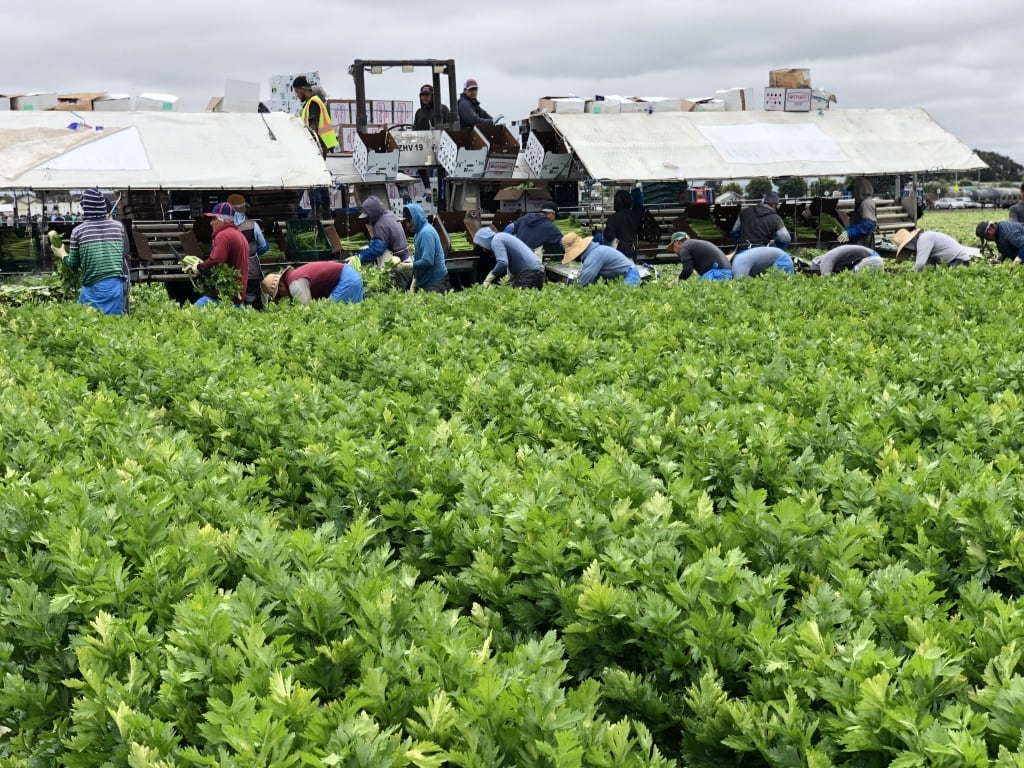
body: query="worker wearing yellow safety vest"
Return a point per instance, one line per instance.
(314, 113)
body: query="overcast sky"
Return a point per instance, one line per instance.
(958, 60)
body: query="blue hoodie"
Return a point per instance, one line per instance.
(536, 229)
(388, 232)
(428, 265)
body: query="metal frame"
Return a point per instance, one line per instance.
(437, 67)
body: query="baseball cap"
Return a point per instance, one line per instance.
(222, 209)
(549, 205)
(471, 83)
(301, 82)
(677, 236)
(770, 197)
(427, 89)
(982, 229)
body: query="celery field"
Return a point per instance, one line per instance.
(771, 522)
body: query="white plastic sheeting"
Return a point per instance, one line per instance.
(156, 150)
(668, 146)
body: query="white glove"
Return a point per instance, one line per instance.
(844, 236)
(190, 269)
(488, 280)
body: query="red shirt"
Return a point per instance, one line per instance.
(322, 276)
(229, 247)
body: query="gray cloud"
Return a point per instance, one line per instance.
(872, 53)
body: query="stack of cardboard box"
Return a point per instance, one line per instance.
(789, 90)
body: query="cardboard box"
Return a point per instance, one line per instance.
(502, 151)
(113, 102)
(789, 78)
(417, 148)
(33, 101)
(703, 104)
(737, 99)
(658, 104)
(774, 99)
(5, 102)
(565, 104)
(346, 137)
(821, 99)
(402, 112)
(798, 100)
(631, 106)
(76, 102)
(156, 102)
(512, 199)
(342, 111)
(375, 156)
(546, 155)
(239, 96)
(463, 153)
(382, 111)
(602, 106)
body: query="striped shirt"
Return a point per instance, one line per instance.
(99, 247)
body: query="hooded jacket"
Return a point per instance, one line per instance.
(761, 225)
(622, 225)
(388, 233)
(536, 229)
(471, 113)
(99, 246)
(428, 266)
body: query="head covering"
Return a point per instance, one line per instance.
(770, 198)
(237, 202)
(483, 237)
(272, 281)
(902, 238)
(222, 211)
(427, 89)
(94, 204)
(549, 205)
(301, 82)
(982, 229)
(471, 83)
(574, 245)
(676, 237)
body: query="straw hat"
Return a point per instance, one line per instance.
(272, 281)
(237, 202)
(574, 245)
(903, 236)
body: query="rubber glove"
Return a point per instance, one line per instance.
(844, 237)
(489, 279)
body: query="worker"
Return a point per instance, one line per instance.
(387, 237)
(470, 111)
(844, 257)
(257, 247)
(229, 247)
(598, 261)
(314, 112)
(1017, 209)
(700, 256)
(1008, 237)
(513, 257)
(99, 250)
(332, 280)
(930, 247)
(622, 228)
(863, 218)
(756, 261)
(426, 116)
(538, 229)
(760, 225)
(429, 268)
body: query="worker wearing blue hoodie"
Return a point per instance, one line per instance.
(388, 234)
(598, 261)
(511, 256)
(538, 229)
(428, 266)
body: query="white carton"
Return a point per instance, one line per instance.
(157, 102)
(774, 99)
(546, 156)
(602, 106)
(375, 156)
(417, 148)
(569, 104)
(113, 102)
(703, 104)
(658, 103)
(463, 153)
(737, 99)
(240, 96)
(798, 100)
(33, 101)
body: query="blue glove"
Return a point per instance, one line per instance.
(735, 235)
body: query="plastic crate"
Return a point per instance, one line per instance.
(306, 240)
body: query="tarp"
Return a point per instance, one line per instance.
(670, 146)
(158, 150)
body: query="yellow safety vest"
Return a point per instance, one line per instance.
(325, 130)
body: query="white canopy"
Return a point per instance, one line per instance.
(158, 150)
(669, 146)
